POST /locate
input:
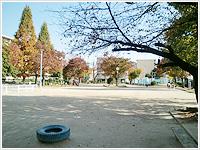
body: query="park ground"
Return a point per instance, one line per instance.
(128, 117)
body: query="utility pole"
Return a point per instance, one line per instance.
(117, 69)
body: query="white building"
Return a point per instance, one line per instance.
(6, 39)
(146, 66)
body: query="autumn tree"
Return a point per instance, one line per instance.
(51, 60)
(177, 72)
(173, 71)
(134, 26)
(22, 49)
(114, 67)
(133, 74)
(75, 68)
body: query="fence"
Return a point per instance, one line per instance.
(17, 89)
(145, 80)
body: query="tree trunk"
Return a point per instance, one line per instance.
(23, 80)
(42, 80)
(36, 76)
(186, 82)
(116, 81)
(183, 84)
(195, 78)
(174, 80)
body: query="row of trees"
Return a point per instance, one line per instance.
(110, 66)
(116, 67)
(23, 54)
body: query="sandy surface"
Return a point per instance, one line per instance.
(134, 117)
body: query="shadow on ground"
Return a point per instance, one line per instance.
(94, 122)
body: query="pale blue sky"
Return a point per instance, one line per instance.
(11, 14)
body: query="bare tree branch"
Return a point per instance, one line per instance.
(165, 46)
(143, 49)
(117, 24)
(147, 10)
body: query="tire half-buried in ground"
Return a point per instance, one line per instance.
(53, 133)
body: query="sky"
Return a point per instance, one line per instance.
(11, 14)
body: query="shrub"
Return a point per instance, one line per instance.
(153, 82)
(179, 84)
(109, 80)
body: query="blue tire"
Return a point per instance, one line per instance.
(53, 133)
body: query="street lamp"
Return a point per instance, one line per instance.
(41, 53)
(117, 69)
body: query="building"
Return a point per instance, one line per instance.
(99, 74)
(6, 39)
(146, 66)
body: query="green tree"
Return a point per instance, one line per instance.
(134, 74)
(5, 63)
(148, 75)
(23, 46)
(177, 72)
(7, 68)
(183, 37)
(115, 67)
(44, 37)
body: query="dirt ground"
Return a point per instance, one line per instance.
(135, 117)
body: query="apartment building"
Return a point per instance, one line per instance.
(146, 66)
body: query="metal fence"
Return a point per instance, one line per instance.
(146, 80)
(8, 89)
